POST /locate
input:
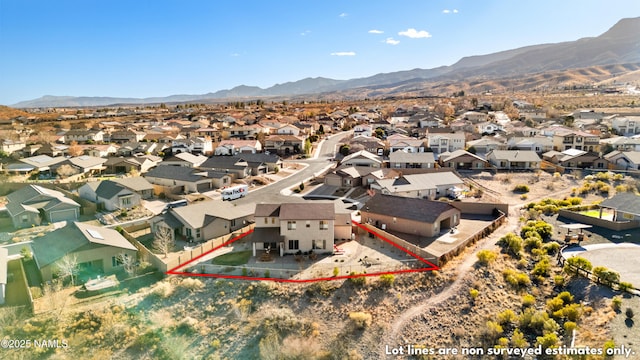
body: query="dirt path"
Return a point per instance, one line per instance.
(462, 269)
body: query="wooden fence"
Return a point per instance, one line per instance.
(591, 276)
(399, 242)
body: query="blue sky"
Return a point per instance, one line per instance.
(157, 48)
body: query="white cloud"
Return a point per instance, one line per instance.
(415, 34)
(343, 53)
(306, 32)
(374, 31)
(343, 15)
(392, 41)
(446, 11)
(455, 11)
(235, 55)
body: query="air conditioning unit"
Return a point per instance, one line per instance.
(384, 226)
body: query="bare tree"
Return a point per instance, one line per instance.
(75, 149)
(128, 263)
(163, 241)
(67, 266)
(66, 170)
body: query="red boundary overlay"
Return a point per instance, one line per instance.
(428, 265)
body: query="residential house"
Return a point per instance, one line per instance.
(347, 176)
(95, 249)
(10, 146)
(420, 160)
(622, 143)
(514, 159)
(97, 150)
(194, 145)
(368, 143)
(233, 147)
(539, 144)
(574, 158)
(51, 149)
(33, 204)
(126, 165)
(109, 195)
(178, 179)
(532, 114)
(140, 148)
(234, 165)
(127, 136)
(284, 144)
(41, 163)
(185, 159)
(262, 162)
(447, 142)
(488, 127)
(626, 125)
(485, 145)
(624, 160)
(205, 220)
(288, 129)
(564, 139)
(362, 130)
(399, 142)
(475, 116)
(295, 228)
(425, 186)
(137, 184)
(413, 216)
(362, 158)
(84, 164)
(84, 135)
(463, 160)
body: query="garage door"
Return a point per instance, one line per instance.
(63, 215)
(203, 187)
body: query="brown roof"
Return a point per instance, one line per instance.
(267, 210)
(307, 211)
(407, 208)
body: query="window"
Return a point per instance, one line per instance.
(273, 220)
(25, 218)
(233, 222)
(318, 245)
(125, 201)
(197, 233)
(308, 224)
(266, 221)
(291, 225)
(324, 225)
(294, 245)
(188, 232)
(117, 261)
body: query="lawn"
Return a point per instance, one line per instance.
(593, 213)
(232, 258)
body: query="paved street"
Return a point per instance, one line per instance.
(316, 166)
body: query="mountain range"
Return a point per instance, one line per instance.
(615, 52)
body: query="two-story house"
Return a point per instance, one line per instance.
(564, 139)
(447, 142)
(295, 228)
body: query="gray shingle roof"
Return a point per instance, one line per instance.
(174, 173)
(623, 202)
(307, 211)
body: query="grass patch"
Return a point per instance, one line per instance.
(232, 258)
(592, 213)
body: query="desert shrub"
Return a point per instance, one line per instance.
(542, 268)
(518, 340)
(604, 176)
(336, 271)
(559, 280)
(528, 300)
(618, 177)
(191, 284)
(609, 344)
(577, 262)
(523, 197)
(554, 304)
(474, 293)
(551, 248)
(531, 243)
(538, 228)
(512, 244)
(521, 188)
(506, 317)
(357, 279)
(296, 347)
(485, 257)
(616, 303)
(387, 280)
(361, 319)
(625, 286)
(547, 341)
(492, 330)
(163, 289)
(515, 278)
(571, 312)
(605, 275)
(569, 326)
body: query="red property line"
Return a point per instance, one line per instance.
(430, 266)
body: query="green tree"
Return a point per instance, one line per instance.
(320, 129)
